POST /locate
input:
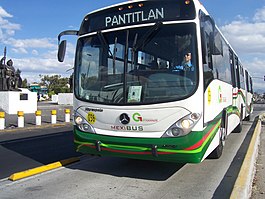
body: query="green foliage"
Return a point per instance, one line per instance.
(55, 84)
(51, 93)
(24, 83)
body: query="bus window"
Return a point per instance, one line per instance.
(222, 66)
(232, 64)
(247, 81)
(242, 78)
(237, 73)
(251, 85)
(206, 32)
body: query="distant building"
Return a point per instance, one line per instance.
(41, 90)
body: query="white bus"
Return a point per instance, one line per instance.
(156, 80)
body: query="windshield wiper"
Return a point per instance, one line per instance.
(114, 56)
(103, 41)
(133, 50)
(147, 36)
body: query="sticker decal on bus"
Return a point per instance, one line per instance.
(91, 118)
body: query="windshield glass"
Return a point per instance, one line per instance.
(137, 66)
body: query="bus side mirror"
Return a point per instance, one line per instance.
(61, 51)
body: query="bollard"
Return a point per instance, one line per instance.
(53, 117)
(67, 115)
(2, 120)
(38, 117)
(20, 119)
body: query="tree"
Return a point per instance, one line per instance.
(24, 83)
(55, 83)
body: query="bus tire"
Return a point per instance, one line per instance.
(218, 151)
(248, 117)
(238, 128)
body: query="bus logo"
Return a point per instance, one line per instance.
(220, 96)
(137, 117)
(124, 118)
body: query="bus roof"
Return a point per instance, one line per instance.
(197, 3)
(140, 12)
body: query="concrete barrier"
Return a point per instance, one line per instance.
(65, 98)
(38, 117)
(2, 120)
(20, 119)
(67, 115)
(13, 101)
(53, 116)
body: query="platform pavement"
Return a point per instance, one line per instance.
(11, 120)
(258, 186)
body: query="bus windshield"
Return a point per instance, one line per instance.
(143, 65)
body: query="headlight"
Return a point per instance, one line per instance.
(186, 123)
(78, 120)
(183, 126)
(83, 124)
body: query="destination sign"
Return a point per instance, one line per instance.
(135, 17)
(139, 12)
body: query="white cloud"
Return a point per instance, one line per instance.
(7, 28)
(247, 37)
(3, 13)
(42, 66)
(260, 15)
(40, 57)
(32, 43)
(19, 50)
(256, 65)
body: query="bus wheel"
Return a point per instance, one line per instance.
(217, 152)
(248, 117)
(238, 128)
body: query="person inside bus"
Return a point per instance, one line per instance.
(187, 66)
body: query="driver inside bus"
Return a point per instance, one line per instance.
(187, 66)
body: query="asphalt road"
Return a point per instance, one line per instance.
(32, 148)
(109, 177)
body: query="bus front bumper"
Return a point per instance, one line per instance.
(186, 149)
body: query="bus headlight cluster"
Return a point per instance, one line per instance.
(183, 126)
(83, 124)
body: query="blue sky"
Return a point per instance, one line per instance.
(29, 29)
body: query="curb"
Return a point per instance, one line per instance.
(243, 185)
(41, 169)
